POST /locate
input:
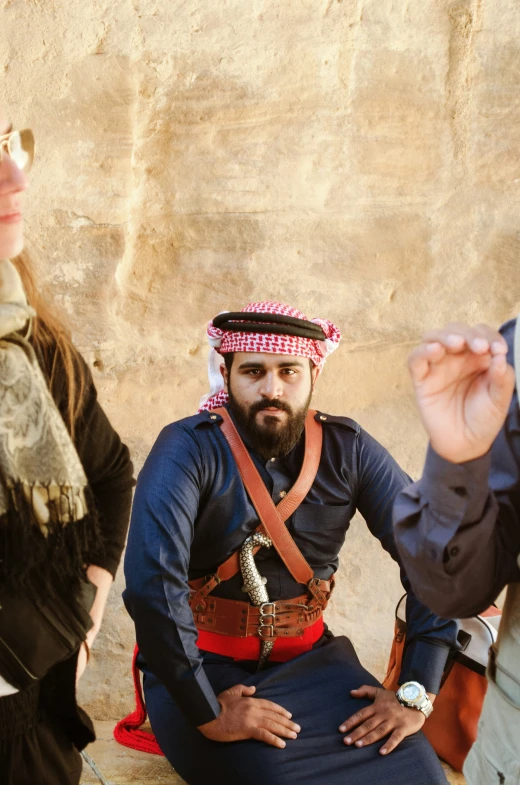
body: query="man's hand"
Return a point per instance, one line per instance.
(244, 717)
(386, 715)
(463, 386)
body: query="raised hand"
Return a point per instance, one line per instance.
(245, 717)
(385, 717)
(463, 385)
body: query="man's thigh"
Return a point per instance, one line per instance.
(315, 688)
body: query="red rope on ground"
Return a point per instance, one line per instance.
(127, 730)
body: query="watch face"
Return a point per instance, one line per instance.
(411, 692)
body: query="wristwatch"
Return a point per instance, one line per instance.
(413, 695)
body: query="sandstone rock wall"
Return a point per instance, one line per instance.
(358, 158)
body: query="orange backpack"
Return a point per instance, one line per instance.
(452, 728)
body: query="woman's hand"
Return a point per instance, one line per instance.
(82, 662)
(102, 579)
(385, 716)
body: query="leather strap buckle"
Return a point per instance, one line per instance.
(210, 581)
(320, 597)
(267, 611)
(269, 627)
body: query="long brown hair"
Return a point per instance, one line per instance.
(51, 340)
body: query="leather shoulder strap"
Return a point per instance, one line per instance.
(273, 517)
(310, 465)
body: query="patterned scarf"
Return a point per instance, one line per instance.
(44, 521)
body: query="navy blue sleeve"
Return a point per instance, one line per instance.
(156, 570)
(428, 637)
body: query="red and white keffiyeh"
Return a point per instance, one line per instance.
(225, 341)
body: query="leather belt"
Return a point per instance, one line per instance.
(271, 620)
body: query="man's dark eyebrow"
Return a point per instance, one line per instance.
(284, 364)
(250, 364)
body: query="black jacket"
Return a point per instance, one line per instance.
(107, 464)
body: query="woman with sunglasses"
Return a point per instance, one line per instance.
(65, 493)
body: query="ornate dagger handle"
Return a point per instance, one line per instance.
(254, 584)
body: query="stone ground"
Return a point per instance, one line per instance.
(108, 763)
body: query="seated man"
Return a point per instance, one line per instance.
(255, 690)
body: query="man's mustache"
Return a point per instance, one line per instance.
(267, 404)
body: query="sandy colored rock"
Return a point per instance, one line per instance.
(358, 158)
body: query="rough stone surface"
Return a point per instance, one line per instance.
(121, 766)
(358, 158)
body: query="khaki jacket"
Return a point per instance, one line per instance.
(495, 756)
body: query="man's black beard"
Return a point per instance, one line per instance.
(272, 439)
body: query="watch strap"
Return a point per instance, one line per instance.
(426, 706)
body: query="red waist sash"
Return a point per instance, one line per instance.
(248, 648)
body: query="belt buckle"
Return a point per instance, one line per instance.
(267, 611)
